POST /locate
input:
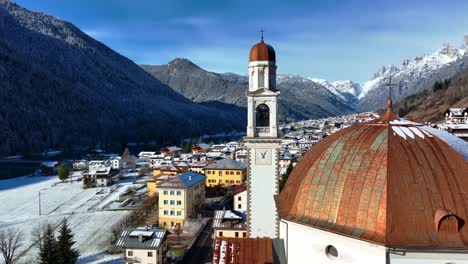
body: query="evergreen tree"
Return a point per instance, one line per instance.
(65, 253)
(127, 157)
(286, 175)
(47, 247)
(63, 172)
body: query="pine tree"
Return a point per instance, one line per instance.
(65, 253)
(63, 172)
(47, 248)
(127, 157)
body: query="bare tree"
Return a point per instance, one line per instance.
(10, 241)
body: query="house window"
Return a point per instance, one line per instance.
(244, 234)
(179, 202)
(238, 173)
(239, 198)
(237, 234)
(150, 253)
(130, 253)
(172, 192)
(179, 192)
(220, 234)
(179, 213)
(172, 202)
(208, 172)
(172, 213)
(237, 181)
(239, 206)
(165, 201)
(165, 192)
(220, 173)
(232, 173)
(165, 212)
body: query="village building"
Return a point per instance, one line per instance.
(156, 160)
(250, 250)
(225, 172)
(49, 167)
(147, 245)
(392, 192)
(229, 223)
(172, 151)
(80, 165)
(152, 184)
(166, 169)
(199, 167)
(96, 164)
(456, 122)
(180, 197)
(116, 163)
(98, 177)
(146, 155)
(239, 195)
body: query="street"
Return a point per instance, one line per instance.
(201, 251)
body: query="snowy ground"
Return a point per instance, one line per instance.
(85, 210)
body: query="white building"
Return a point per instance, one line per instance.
(116, 163)
(146, 245)
(388, 191)
(96, 164)
(262, 142)
(240, 198)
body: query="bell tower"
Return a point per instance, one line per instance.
(262, 142)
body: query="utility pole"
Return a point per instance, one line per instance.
(39, 202)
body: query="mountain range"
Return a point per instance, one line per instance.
(60, 88)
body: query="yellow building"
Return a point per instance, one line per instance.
(166, 169)
(225, 172)
(179, 198)
(152, 184)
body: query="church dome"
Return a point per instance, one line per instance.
(389, 182)
(262, 52)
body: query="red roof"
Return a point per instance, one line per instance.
(385, 182)
(243, 251)
(239, 189)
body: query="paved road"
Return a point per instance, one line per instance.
(201, 251)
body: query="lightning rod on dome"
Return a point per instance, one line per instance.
(261, 31)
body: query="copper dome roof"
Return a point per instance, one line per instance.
(388, 182)
(262, 52)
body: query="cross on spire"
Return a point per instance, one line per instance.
(261, 31)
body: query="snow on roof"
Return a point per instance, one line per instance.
(49, 164)
(146, 153)
(458, 144)
(129, 238)
(227, 164)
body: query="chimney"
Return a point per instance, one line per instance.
(140, 238)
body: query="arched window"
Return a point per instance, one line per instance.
(261, 78)
(263, 116)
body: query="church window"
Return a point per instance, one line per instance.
(261, 78)
(331, 252)
(263, 116)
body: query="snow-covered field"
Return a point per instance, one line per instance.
(83, 208)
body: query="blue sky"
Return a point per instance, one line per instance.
(333, 40)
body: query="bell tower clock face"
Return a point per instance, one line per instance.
(263, 156)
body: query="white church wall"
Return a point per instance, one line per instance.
(427, 257)
(308, 245)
